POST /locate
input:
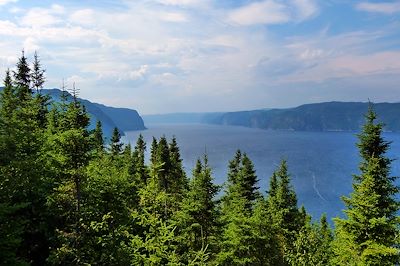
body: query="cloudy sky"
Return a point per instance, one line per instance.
(161, 56)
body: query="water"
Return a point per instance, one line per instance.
(321, 163)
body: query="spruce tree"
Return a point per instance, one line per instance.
(37, 76)
(139, 160)
(115, 145)
(237, 239)
(368, 235)
(98, 139)
(285, 215)
(24, 179)
(197, 219)
(22, 78)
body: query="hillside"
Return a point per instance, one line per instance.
(123, 118)
(329, 116)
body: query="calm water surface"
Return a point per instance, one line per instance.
(321, 163)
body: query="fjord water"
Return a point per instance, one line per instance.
(321, 163)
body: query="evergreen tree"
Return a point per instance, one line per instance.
(22, 78)
(37, 76)
(23, 179)
(115, 145)
(197, 218)
(68, 148)
(237, 239)
(98, 139)
(282, 204)
(369, 233)
(139, 160)
(178, 176)
(248, 179)
(312, 245)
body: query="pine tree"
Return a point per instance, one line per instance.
(369, 233)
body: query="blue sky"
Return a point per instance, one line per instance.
(161, 56)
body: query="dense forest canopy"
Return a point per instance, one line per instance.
(69, 198)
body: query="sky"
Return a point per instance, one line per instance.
(163, 56)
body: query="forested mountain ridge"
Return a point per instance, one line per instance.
(123, 118)
(328, 116)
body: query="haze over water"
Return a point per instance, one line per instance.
(321, 163)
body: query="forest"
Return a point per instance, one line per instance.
(68, 197)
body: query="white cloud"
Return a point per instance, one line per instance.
(84, 17)
(30, 45)
(139, 73)
(273, 12)
(173, 17)
(5, 2)
(41, 17)
(305, 9)
(183, 2)
(382, 7)
(266, 12)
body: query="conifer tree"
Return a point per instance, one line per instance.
(248, 179)
(178, 176)
(115, 145)
(37, 76)
(139, 160)
(197, 218)
(237, 240)
(68, 148)
(312, 245)
(98, 139)
(24, 179)
(369, 233)
(282, 204)
(22, 78)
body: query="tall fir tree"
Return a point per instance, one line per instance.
(197, 219)
(285, 215)
(98, 139)
(22, 78)
(237, 240)
(115, 145)
(37, 76)
(369, 233)
(141, 170)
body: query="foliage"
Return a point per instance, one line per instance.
(67, 197)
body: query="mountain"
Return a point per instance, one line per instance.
(328, 116)
(123, 118)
